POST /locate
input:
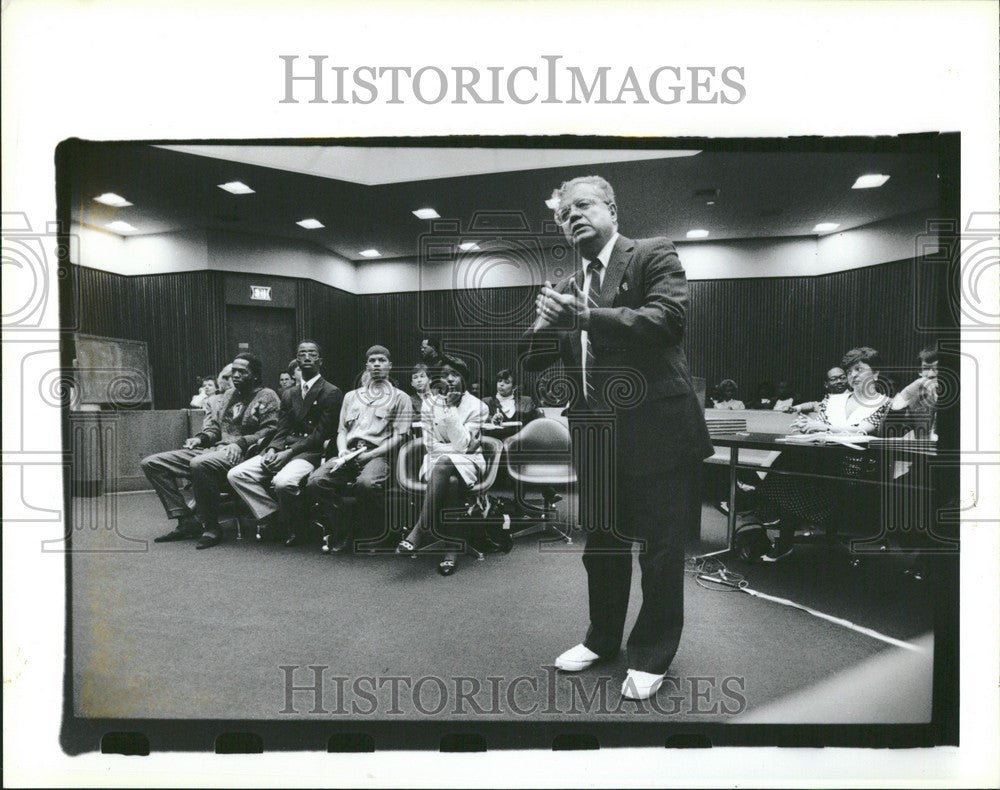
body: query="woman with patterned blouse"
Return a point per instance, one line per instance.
(861, 409)
(452, 425)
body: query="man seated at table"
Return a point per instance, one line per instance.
(309, 413)
(235, 421)
(505, 406)
(374, 421)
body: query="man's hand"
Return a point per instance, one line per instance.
(453, 398)
(497, 418)
(273, 461)
(192, 443)
(231, 453)
(565, 308)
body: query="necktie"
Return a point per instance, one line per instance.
(305, 390)
(593, 297)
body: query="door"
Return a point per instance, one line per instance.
(268, 332)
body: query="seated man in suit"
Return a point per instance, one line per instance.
(308, 415)
(505, 406)
(374, 421)
(235, 421)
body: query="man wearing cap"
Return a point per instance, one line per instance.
(617, 324)
(235, 421)
(309, 414)
(374, 420)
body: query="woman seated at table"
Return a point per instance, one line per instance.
(505, 406)
(726, 396)
(861, 409)
(452, 424)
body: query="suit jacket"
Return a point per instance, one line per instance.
(639, 372)
(305, 424)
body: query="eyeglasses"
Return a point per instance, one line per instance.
(307, 354)
(582, 205)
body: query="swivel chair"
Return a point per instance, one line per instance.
(408, 465)
(540, 456)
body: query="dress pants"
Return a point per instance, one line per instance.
(250, 480)
(205, 467)
(329, 488)
(618, 508)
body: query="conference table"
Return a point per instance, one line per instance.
(827, 450)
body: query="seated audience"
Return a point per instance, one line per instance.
(225, 379)
(764, 399)
(918, 399)
(207, 389)
(430, 353)
(420, 380)
(726, 396)
(374, 421)
(861, 409)
(505, 406)
(309, 414)
(452, 426)
(783, 397)
(236, 421)
(834, 383)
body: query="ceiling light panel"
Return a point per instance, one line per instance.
(236, 188)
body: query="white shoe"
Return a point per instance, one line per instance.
(576, 659)
(641, 685)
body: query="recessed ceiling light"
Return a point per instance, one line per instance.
(369, 253)
(697, 234)
(310, 224)
(870, 181)
(236, 188)
(709, 202)
(111, 199)
(468, 246)
(426, 213)
(120, 227)
(552, 203)
(826, 227)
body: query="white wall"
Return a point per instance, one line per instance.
(236, 252)
(882, 242)
(890, 240)
(186, 251)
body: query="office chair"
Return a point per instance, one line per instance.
(408, 465)
(540, 456)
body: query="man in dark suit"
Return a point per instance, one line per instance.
(309, 415)
(639, 433)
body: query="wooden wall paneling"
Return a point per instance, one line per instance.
(751, 330)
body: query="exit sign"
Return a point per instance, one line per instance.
(260, 293)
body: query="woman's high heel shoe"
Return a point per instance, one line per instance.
(446, 567)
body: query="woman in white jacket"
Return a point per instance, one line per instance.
(452, 424)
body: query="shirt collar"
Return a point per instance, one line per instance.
(604, 255)
(308, 384)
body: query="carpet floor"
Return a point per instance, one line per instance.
(165, 631)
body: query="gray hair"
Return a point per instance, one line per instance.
(602, 186)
